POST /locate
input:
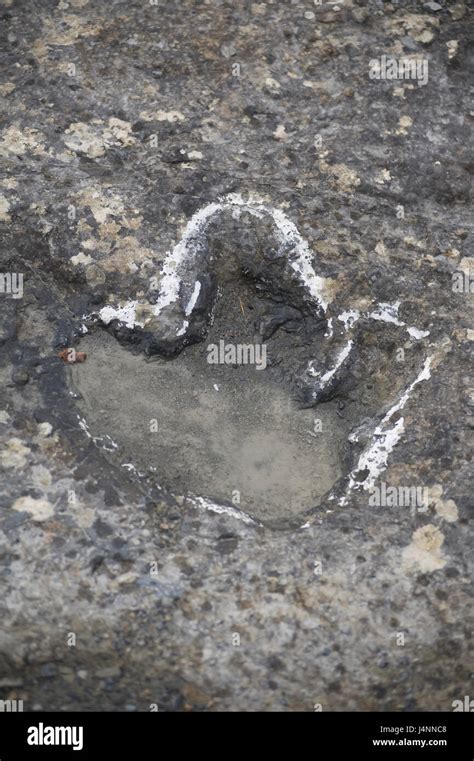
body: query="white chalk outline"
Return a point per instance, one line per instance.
(374, 458)
(193, 240)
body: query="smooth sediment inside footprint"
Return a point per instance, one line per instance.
(231, 434)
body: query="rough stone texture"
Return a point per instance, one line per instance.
(90, 202)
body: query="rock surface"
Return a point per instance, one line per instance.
(120, 121)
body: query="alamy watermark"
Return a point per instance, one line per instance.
(12, 283)
(463, 705)
(414, 497)
(387, 67)
(237, 354)
(52, 735)
(11, 706)
(462, 281)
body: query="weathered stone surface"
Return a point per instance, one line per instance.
(120, 121)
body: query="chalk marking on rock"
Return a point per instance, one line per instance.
(349, 318)
(193, 241)
(125, 314)
(387, 313)
(132, 468)
(374, 458)
(324, 379)
(206, 504)
(183, 328)
(384, 312)
(98, 440)
(192, 301)
(418, 334)
(330, 331)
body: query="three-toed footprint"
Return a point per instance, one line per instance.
(242, 383)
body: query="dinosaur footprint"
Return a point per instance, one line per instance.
(239, 392)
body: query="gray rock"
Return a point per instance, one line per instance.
(275, 614)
